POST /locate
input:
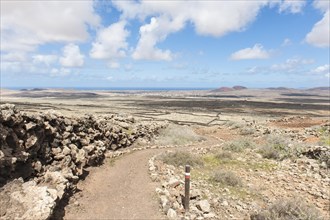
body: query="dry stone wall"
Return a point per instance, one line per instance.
(47, 153)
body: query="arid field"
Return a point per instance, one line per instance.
(254, 154)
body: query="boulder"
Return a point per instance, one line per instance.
(171, 214)
(204, 206)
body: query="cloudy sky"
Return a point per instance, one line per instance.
(195, 44)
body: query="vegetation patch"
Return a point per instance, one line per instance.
(177, 135)
(247, 131)
(226, 159)
(324, 135)
(226, 178)
(279, 148)
(181, 158)
(224, 155)
(288, 209)
(239, 145)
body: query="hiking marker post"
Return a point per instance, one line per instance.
(187, 188)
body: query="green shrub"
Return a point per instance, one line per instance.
(224, 155)
(270, 152)
(239, 145)
(279, 148)
(181, 158)
(226, 178)
(294, 209)
(325, 135)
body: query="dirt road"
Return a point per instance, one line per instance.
(122, 190)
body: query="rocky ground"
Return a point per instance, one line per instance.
(43, 156)
(252, 154)
(236, 183)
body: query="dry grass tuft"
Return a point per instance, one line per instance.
(177, 135)
(239, 145)
(294, 209)
(226, 178)
(224, 155)
(279, 148)
(181, 158)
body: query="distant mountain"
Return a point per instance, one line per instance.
(278, 88)
(34, 89)
(228, 89)
(239, 87)
(319, 88)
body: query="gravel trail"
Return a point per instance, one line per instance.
(122, 190)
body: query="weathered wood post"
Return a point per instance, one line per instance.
(187, 188)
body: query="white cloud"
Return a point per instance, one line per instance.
(320, 34)
(214, 18)
(17, 67)
(322, 69)
(14, 56)
(44, 59)
(113, 65)
(210, 18)
(253, 69)
(72, 56)
(110, 42)
(152, 33)
(256, 52)
(286, 42)
(292, 6)
(110, 78)
(59, 72)
(27, 24)
(291, 65)
(322, 5)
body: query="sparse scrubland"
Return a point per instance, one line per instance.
(249, 159)
(177, 135)
(239, 177)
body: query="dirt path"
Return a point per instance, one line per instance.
(120, 191)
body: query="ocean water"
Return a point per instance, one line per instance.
(114, 88)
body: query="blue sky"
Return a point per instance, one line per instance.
(193, 44)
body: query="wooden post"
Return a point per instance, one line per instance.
(187, 188)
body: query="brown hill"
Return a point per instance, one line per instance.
(228, 89)
(319, 88)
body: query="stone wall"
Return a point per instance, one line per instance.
(47, 153)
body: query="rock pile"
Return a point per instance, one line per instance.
(171, 194)
(321, 153)
(49, 151)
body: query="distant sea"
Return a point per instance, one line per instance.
(113, 88)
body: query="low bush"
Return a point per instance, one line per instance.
(279, 148)
(177, 135)
(324, 132)
(270, 152)
(226, 178)
(247, 131)
(239, 145)
(224, 155)
(325, 157)
(181, 158)
(294, 209)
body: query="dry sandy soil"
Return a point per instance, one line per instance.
(122, 189)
